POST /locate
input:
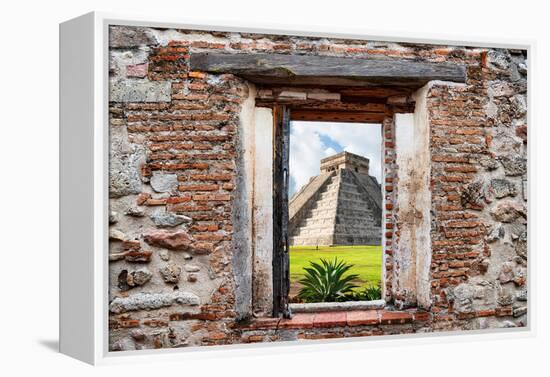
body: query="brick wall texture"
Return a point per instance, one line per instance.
(175, 153)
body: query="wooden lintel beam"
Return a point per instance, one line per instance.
(326, 70)
(337, 116)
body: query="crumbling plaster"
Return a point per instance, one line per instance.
(263, 212)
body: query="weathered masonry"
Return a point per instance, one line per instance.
(198, 170)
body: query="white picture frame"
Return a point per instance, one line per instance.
(84, 192)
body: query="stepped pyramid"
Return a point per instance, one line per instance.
(340, 206)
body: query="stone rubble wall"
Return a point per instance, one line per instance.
(479, 198)
(176, 158)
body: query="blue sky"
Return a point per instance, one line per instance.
(312, 141)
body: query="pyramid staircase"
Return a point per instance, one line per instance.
(341, 212)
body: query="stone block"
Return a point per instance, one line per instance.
(191, 268)
(164, 182)
(169, 219)
(139, 91)
(508, 211)
(137, 70)
(124, 36)
(173, 240)
(125, 161)
(170, 273)
(503, 187)
(324, 96)
(514, 165)
(127, 280)
(292, 95)
(151, 301)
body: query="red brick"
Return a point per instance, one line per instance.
(212, 177)
(443, 317)
(131, 245)
(198, 187)
(204, 44)
(362, 317)
(461, 169)
(155, 323)
(298, 321)
(392, 318)
(196, 86)
(321, 336)
(155, 202)
(255, 338)
(422, 316)
(123, 323)
(187, 316)
(469, 315)
(142, 198)
(209, 237)
(221, 197)
(138, 256)
(463, 224)
(178, 199)
(181, 207)
(203, 247)
(197, 166)
(503, 312)
(330, 319)
(196, 74)
(261, 323)
(204, 228)
(485, 313)
(521, 131)
(217, 335)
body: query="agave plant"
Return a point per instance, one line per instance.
(372, 293)
(325, 281)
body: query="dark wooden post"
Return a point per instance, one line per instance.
(281, 275)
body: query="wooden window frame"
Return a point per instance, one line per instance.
(282, 116)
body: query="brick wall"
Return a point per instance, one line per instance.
(390, 235)
(176, 158)
(478, 148)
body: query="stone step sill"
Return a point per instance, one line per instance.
(337, 306)
(332, 319)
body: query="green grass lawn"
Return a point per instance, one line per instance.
(367, 261)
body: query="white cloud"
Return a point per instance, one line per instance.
(330, 151)
(307, 147)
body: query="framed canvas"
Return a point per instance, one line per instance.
(229, 188)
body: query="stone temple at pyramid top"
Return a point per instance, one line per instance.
(345, 160)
